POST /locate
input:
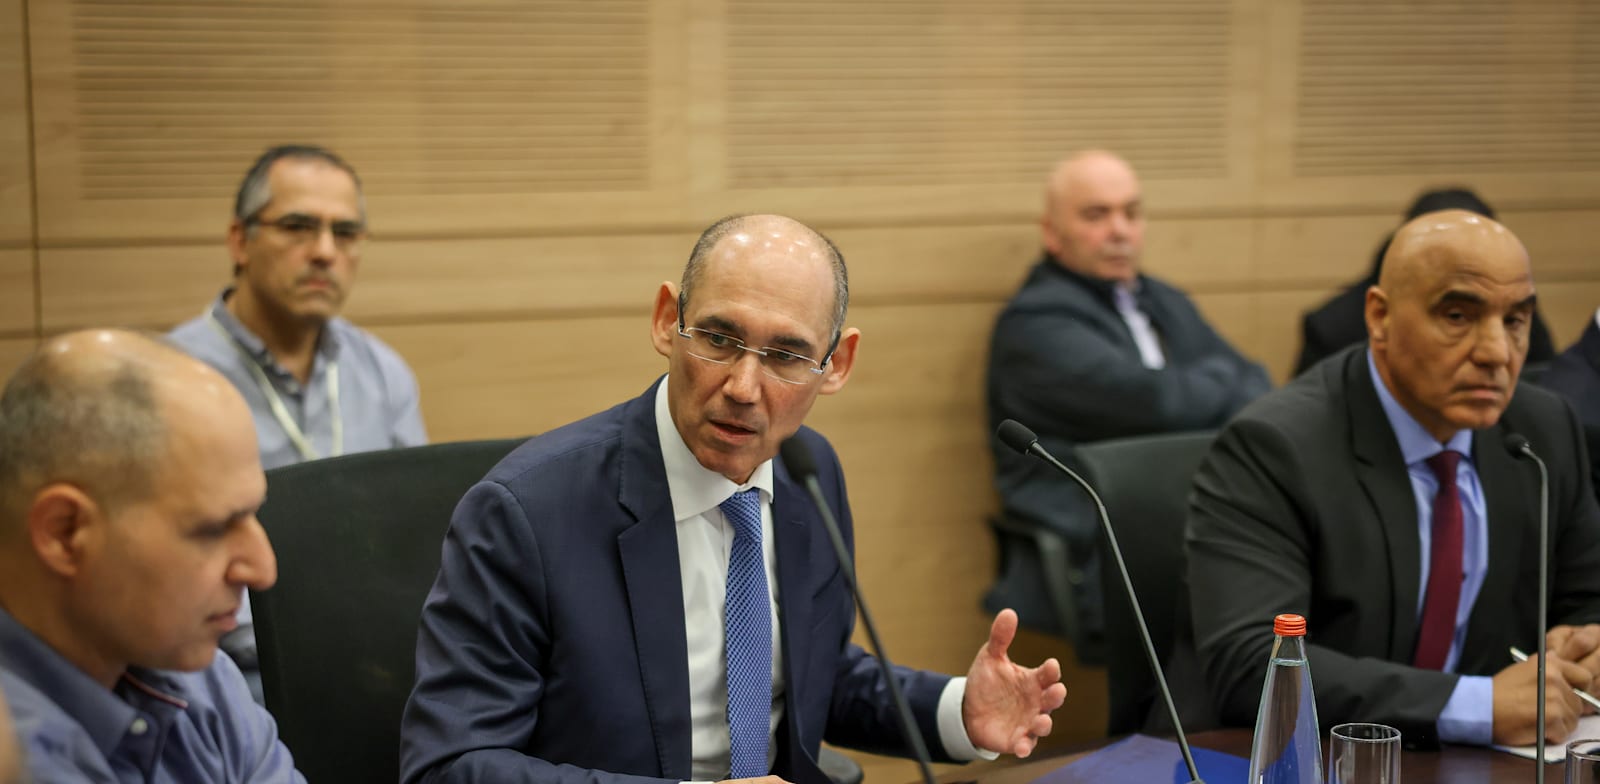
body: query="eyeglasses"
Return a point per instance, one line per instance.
(785, 366)
(300, 228)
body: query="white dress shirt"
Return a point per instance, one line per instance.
(705, 540)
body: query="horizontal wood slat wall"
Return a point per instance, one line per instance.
(535, 168)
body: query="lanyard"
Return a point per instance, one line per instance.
(281, 412)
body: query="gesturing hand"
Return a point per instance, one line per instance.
(1007, 706)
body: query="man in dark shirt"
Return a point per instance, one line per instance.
(1092, 349)
(1575, 375)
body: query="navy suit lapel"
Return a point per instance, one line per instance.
(1381, 470)
(649, 553)
(793, 519)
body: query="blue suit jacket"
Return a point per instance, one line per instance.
(552, 646)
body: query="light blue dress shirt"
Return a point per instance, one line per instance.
(1469, 715)
(154, 727)
(377, 404)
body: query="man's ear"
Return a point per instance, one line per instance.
(1376, 313)
(844, 359)
(664, 322)
(238, 234)
(1047, 235)
(61, 521)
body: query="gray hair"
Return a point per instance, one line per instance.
(98, 428)
(256, 189)
(717, 232)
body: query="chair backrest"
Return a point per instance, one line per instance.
(358, 540)
(1144, 483)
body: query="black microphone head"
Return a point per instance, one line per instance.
(1516, 444)
(797, 458)
(1017, 435)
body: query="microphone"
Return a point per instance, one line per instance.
(797, 458)
(1017, 436)
(1519, 447)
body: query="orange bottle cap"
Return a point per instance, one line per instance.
(1289, 625)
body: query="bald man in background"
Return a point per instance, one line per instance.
(129, 483)
(1091, 349)
(1376, 495)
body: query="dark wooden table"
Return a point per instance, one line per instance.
(1453, 764)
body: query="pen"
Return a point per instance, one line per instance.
(1593, 701)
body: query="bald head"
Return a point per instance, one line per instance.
(1093, 223)
(793, 241)
(1449, 319)
(92, 409)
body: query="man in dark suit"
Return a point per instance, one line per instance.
(1341, 322)
(602, 612)
(1575, 374)
(1091, 348)
(1376, 496)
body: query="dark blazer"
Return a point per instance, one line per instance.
(552, 646)
(1304, 506)
(1575, 375)
(1063, 362)
(1341, 322)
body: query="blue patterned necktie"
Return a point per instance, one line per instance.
(748, 624)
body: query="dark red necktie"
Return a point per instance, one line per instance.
(1444, 568)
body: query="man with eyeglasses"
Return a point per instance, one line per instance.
(648, 595)
(317, 385)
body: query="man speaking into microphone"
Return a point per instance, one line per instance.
(647, 595)
(1376, 495)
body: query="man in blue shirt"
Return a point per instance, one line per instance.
(129, 483)
(317, 385)
(1377, 496)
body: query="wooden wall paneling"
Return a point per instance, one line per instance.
(16, 293)
(12, 352)
(480, 116)
(1561, 243)
(913, 409)
(496, 379)
(152, 286)
(1202, 254)
(1277, 339)
(16, 179)
(1322, 251)
(1493, 96)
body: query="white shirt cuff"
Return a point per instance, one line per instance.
(952, 730)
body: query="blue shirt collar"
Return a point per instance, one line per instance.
(93, 706)
(327, 343)
(1416, 445)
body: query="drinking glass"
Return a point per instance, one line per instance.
(1364, 754)
(1583, 761)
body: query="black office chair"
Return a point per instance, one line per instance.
(358, 541)
(1036, 578)
(1144, 483)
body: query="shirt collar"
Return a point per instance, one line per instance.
(98, 710)
(327, 343)
(1106, 290)
(1416, 445)
(694, 488)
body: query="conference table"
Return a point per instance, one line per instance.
(1454, 764)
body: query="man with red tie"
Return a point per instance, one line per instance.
(1377, 496)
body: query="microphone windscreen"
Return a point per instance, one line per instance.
(797, 458)
(1516, 444)
(1016, 435)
